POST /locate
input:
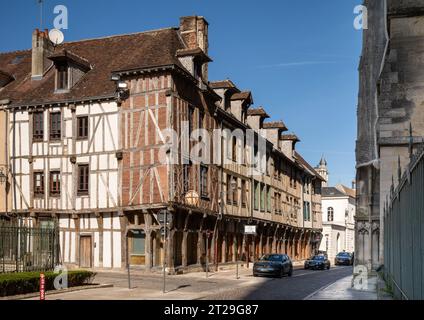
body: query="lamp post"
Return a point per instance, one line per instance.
(3, 180)
(234, 187)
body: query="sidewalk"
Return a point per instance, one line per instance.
(189, 286)
(342, 290)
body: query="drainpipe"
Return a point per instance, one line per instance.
(14, 160)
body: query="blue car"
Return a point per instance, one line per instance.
(343, 258)
(319, 262)
(276, 265)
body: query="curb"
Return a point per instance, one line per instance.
(53, 292)
(308, 297)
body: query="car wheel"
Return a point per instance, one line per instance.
(255, 275)
(290, 272)
(281, 273)
(328, 267)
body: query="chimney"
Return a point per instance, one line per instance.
(41, 48)
(353, 184)
(194, 31)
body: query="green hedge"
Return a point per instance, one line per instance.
(29, 282)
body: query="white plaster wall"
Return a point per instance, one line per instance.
(107, 250)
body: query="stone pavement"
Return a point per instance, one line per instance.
(149, 287)
(342, 290)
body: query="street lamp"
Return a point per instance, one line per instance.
(3, 180)
(3, 177)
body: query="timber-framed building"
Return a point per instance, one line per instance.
(86, 123)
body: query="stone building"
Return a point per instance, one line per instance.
(338, 217)
(91, 126)
(390, 110)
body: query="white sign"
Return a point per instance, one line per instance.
(250, 229)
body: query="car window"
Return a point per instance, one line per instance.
(272, 257)
(318, 258)
(343, 254)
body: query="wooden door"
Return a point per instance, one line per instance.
(85, 251)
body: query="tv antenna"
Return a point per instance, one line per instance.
(40, 2)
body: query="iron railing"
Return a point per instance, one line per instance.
(25, 248)
(404, 233)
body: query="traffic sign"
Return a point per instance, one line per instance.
(162, 215)
(250, 230)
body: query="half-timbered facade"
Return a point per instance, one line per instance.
(105, 134)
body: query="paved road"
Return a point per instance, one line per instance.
(218, 286)
(302, 284)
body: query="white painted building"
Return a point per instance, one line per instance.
(338, 219)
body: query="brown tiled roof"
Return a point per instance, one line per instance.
(245, 95)
(68, 55)
(225, 84)
(348, 191)
(292, 137)
(257, 112)
(306, 165)
(275, 125)
(124, 52)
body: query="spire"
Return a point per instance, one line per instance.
(323, 162)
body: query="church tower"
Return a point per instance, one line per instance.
(323, 171)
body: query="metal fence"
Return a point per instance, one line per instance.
(28, 248)
(404, 234)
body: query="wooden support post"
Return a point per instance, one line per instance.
(224, 248)
(148, 241)
(184, 249)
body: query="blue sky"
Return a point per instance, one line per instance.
(299, 58)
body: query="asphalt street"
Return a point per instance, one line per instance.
(222, 285)
(302, 284)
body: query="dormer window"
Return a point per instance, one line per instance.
(5, 79)
(70, 68)
(62, 77)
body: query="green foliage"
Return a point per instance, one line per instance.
(29, 282)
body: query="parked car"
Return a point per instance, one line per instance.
(273, 265)
(343, 258)
(317, 262)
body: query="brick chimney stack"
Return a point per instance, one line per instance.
(194, 31)
(41, 48)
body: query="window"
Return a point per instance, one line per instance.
(262, 197)
(201, 119)
(54, 183)
(83, 179)
(234, 188)
(268, 197)
(82, 127)
(38, 126)
(305, 211)
(62, 77)
(38, 184)
(229, 194)
(330, 214)
(55, 126)
(186, 177)
(234, 149)
(256, 198)
(190, 119)
(204, 181)
(277, 201)
(138, 243)
(243, 193)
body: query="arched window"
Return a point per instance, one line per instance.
(330, 214)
